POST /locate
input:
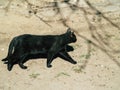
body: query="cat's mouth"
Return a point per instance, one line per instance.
(74, 40)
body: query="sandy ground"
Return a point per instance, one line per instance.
(100, 72)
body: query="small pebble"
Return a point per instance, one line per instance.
(102, 66)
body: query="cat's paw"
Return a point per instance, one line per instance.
(74, 62)
(49, 66)
(24, 67)
(9, 67)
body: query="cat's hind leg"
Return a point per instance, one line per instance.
(10, 64)
(22, 60)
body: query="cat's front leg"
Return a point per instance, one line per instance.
(67, 57)
(49, 60)
(51, 54)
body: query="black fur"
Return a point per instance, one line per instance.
(25, 46)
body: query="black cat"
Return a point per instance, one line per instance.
(24, 46)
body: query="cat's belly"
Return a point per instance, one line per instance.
(40, 51)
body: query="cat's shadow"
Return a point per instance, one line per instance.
(38, 56)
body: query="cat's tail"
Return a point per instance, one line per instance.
(11, 49)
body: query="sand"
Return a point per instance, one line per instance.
(97, 72)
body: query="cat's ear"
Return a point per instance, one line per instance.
(69, 30)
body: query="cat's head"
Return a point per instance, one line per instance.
(71, 36)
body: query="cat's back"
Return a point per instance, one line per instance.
(44, 39)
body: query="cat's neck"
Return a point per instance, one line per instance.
(65, 39)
